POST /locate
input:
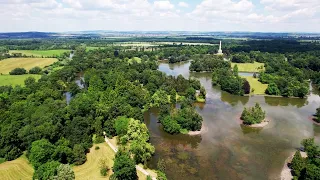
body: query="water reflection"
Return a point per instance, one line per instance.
(228, 150)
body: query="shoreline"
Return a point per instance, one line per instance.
(202, 130)
(311, 118)
(286, 170)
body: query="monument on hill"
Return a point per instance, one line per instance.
(220, 50)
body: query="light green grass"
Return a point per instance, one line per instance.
(259, 88)
(16, 169)
(13, 80)
(249, 67)
(40, 53)
(7, 65)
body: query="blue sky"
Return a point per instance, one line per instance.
(157, 15)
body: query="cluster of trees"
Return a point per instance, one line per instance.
(208, 63)
(134, 135)
(36, 116)
(21, 71)
(180, 120)
(253, 115)
(4, 53)
(241, 58)
(230, 81)
(307, 168)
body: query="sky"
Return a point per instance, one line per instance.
(160, 15)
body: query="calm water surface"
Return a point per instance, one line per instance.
(227, 150)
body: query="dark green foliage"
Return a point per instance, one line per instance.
(241, 58)
(97, 148)
(317, 115)
(149, 177)
(124, 167)
(46, 171)
(273, 89)
(170, 125)
(103, 167)
(40, 153)
(297, 164)
(35, 70)
(18, 71)
(79, 154)
(307, 168)
(253, 115)
(246, 87)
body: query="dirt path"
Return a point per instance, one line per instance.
(115, 149)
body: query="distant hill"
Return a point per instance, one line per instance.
(25, 35)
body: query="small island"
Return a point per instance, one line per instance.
(254, 116)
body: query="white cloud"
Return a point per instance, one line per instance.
(163, 5)
(183, 4)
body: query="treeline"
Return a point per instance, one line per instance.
(309, 167)
(36, 117)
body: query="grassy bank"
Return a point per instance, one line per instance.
(7, 65)
(16, 169)
(40, 53)
(259, 88)
(249, 67)
(13, 80)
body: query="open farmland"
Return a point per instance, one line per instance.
(7, 65)
(13, 80)
(40, 53)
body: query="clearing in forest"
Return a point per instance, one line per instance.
(7, 65)
(40, 53)
(259, 88)
(249, 67)
(13, 80)
(16, 169)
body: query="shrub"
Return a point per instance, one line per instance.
(35, 70)
(103, 167)
(97, 148)
(18, 71)
(161, 175)
(297, 164)
(170, 126)
(124, 167)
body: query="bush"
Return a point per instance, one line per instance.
(46, 171)
(103, 167)
(35, 70)
(161, 175)
(246, 87)
(18, 71)
(170, 126)
(124, 167)
(253, 115)
(97, 148)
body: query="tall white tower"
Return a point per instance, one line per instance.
(220, 50)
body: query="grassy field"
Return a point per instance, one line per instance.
(90, 169)
(259, 88)
(249, 67)
(7, 65)
(6, 80)
(40, 53)
(16, 169)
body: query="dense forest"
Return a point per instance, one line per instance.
(36, 118)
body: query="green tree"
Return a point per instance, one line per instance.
(65, 172)
(297, 164)
(170, 126)
(18, 71)
(121, 125)
(79, 154)
(124, 167)
(47, 170)
(142, 151)
(235, 70)
(35, 70)
(41, 152)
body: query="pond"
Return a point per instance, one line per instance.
(227, 150)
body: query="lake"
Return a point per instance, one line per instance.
(228, 150)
